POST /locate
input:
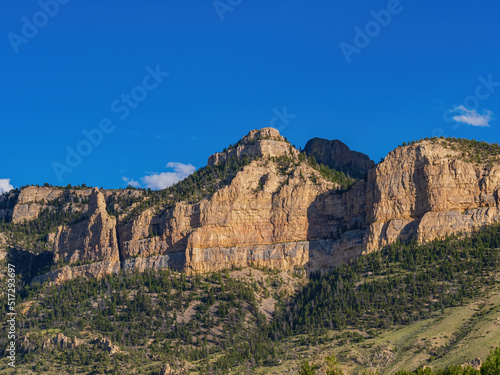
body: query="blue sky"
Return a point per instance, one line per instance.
(171, 82)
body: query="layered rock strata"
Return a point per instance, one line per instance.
(284, 217)
(93, 239)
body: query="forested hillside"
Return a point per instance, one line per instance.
(223, 322)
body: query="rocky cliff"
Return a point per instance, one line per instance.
(263, 142)
(262, 218)
(28, 203)
(93, 239)
(429, 190)
(280, 212)
(337, 155)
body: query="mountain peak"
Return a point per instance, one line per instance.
(264, 133)
(265, 142)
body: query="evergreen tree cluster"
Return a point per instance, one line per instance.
(399, 285)
(142, 313)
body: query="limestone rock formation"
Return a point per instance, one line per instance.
(476, 364)
(429, 191)
(93, 239)
(279, 212)
(261, 218)
(28, 344)
(3, 246)
(97, 270)
(337, 155)
(261, 142)
(27, 204)
(166, 370)
(34, 199)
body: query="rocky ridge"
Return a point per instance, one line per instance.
(279, 212)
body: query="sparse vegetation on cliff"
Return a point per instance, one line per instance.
(253, 140)
(286, 165)
(337, 177)
(202, 184)
(472, 151)
(32, 235)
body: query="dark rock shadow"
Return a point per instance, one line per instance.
(29, 265)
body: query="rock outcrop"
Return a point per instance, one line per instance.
(29, 344)
(97, 270)
(28, 203)
(60, 341)
(278, 212)
(476, 364)
(428, 191)
(106, 344)
(337, 155)
(260, 219)
(33, 200)
(93, 239)
(260, 142)
(167, 370)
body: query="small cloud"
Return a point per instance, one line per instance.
(5, 185)
(165, 179)
(130, 182)
(471, 116)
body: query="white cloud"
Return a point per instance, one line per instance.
(165, 179)
(131, 182)
(471, 116)
(5, 185)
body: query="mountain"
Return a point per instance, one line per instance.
(261, 203)
(217, 274)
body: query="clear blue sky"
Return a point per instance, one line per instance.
(231, 70)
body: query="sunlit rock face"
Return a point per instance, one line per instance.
(283, 219)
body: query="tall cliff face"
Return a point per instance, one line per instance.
(93, 239)
(429, 191)
(32, 200)
(28, 203)
(259, 219)
(337, 155)
(279, 212)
